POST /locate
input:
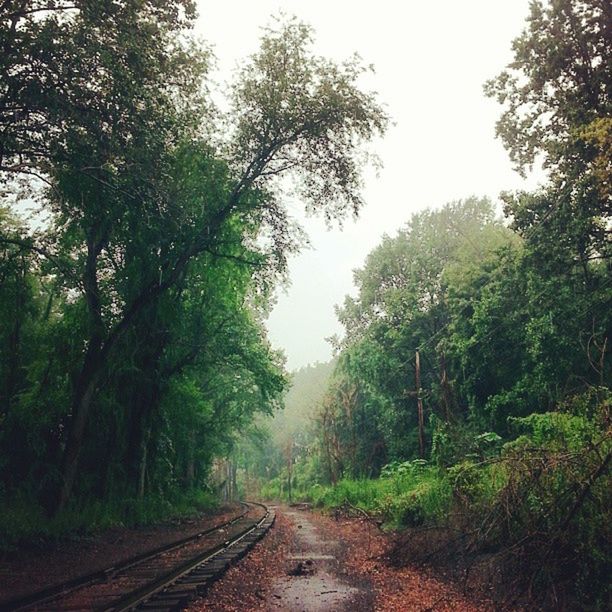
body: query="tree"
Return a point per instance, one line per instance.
(557, 84)
(140, 191)
(402, 305)
(85, 74)
(557, 109)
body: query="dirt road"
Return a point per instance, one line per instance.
(313, 563)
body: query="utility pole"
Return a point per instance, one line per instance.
(417, 364)
(447, 394)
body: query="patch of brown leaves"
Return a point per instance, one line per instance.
(247, 585)
(397, 589)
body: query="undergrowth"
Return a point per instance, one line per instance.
(399, 500)
(23, 521)
(537, 508)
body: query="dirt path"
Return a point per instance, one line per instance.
(312, 563)
(316, 578)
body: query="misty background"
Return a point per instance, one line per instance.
(431, 60)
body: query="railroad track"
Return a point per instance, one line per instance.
(161, 580)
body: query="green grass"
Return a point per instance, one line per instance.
(401, 500)
(23, 521)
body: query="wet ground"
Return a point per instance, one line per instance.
(313, 562)
(307, 562)
(316, 578)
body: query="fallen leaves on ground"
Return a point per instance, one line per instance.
(397, 590)
(247, 585)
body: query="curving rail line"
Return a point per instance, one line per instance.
(166, 578)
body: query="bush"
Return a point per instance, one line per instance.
(407, 494)
(542, 507)
(537, 508)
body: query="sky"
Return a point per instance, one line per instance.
(431, 59)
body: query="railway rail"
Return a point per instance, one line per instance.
(166, 578)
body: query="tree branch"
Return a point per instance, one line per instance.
(24, 244)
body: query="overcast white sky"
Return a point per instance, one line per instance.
(431, 59)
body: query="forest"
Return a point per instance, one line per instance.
(469, 402)
(144, 230)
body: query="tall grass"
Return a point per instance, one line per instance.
(400, 500)
(24, 521)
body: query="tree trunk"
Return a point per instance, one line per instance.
(11, 386)
(90, 372)
(190, 467)
(289, 462)
(86, 387)
(145, 398)
(143, 463)
(420, 406)
(233, 471)
(447, 392)
(328, 456)
(143, 406)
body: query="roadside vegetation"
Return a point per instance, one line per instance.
(25, 522)
(469, 403)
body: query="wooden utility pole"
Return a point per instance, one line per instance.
(289, 459)
(417, 364)
(447, 394)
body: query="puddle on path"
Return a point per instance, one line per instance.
(315, 580)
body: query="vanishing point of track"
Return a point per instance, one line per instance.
(164, 579)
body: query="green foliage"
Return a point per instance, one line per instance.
(22, 521)
(540, 507)
(556, 108)
(397, 469)
(133, 351)
(512, 324)
(555, 82)
(284, 458)
(311, 111)
(402, 499)
(554, 429)
(410, 296)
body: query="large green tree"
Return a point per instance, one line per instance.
(557, 110)
(141, 188)
(402, 306)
